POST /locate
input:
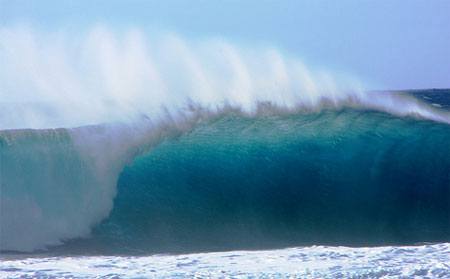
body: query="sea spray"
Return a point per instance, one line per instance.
(60, 79)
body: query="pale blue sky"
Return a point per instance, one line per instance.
(394, 44)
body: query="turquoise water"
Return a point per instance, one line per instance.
(338, 177)
(359, 192)
(345, 177)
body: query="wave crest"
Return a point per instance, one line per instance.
(61, 79)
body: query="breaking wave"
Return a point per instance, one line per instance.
(166, 144)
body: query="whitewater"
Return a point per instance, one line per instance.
(127, 154)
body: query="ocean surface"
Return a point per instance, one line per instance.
(426, 261)
(346, 191)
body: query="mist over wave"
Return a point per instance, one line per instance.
(69, 79)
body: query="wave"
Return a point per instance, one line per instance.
(166, 142)
(343, 176)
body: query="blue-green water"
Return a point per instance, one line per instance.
(337, 177)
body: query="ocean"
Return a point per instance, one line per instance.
(343, 191)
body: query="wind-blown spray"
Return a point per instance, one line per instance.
(50, 80)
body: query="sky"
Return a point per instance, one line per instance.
(391, 44)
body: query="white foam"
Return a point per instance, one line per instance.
(427, 261)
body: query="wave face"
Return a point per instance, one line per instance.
(341, 177)
(344, 177)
